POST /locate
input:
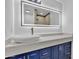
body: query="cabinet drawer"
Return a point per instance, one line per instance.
(68, 45)
(32, 55)
(45, 53)
(22, 56)
(68, 50)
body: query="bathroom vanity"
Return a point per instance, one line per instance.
(56, 46)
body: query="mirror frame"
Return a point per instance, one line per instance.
(42, 7)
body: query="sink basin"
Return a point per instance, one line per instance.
(50, 34)
(22, 39)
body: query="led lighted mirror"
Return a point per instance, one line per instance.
(33, 15)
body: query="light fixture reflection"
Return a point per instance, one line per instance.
(41, 13)
(38, 0)
(27, 11)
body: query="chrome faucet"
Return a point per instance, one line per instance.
(32, 30)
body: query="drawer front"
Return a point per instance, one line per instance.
(33, 55)
(45, 53)
(68, 48)
(19, 57)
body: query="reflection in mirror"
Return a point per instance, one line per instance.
(41, 17)
(32, 15)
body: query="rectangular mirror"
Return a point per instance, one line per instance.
(33, 15)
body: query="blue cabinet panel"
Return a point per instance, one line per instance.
(68, 50)
(45, 53)
(9, 58)
(22, 56)
(55, 52)
(61, 51)
(33, 55)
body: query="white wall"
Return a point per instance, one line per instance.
(18, 29)
(52, 3)
(8, 18)
(67, 16)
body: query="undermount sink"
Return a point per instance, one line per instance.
(50, 34)
(22, 39)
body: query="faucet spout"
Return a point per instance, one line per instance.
(32, 30)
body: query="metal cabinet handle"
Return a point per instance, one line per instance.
(31, 55)
(45, 53)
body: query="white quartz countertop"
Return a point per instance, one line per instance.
(42, 42)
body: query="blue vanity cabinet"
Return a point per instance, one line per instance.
(45, 53)
(55, 52)
(61, 51)
(68, 50)
(32, 55)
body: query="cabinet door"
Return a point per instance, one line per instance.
(55, 52)
(61, 51)
(33, 55)
(45, 53)
(22, 56)
(68, 50)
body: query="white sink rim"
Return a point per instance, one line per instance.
(21, 39)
